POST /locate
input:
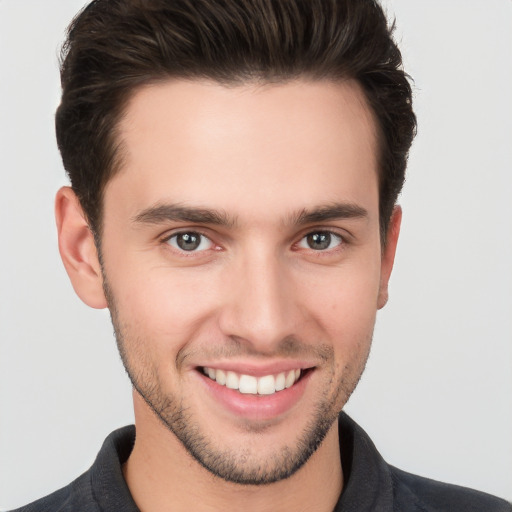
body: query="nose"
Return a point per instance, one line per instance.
(260, 307)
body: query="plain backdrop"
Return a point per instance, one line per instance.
(437, 394)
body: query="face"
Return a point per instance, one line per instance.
(243, 266)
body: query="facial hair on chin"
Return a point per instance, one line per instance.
(242, 466)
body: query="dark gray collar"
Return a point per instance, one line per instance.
(368, 482)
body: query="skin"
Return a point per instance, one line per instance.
(254, 297)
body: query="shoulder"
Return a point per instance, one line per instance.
(100, 488)
(432, 496)
(373, 484)
(77, 496)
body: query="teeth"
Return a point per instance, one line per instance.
(290, 379)
(266, 385)
(280, 382)
(232, 380)
(220, 377)
(248, 384)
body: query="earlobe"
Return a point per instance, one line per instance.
(78, 250)
(388, 255)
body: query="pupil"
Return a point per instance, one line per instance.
(188, 241)
(319, 241)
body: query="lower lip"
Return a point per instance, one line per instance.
(257, 407)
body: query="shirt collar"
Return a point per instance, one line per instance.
(368, 485)
(367, 479)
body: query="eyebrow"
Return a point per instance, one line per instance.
(335, 211)
(179, 213)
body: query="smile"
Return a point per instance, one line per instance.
(249, 384)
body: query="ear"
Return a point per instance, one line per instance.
(78, 250)
(388, 255)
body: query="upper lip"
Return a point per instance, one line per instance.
(257, 369)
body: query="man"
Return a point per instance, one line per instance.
(235, 168)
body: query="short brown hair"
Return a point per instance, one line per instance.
(116, 46)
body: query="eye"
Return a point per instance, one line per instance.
(320, 241)
(190, 241)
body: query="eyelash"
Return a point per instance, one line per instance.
(175, 246)
(330, 235)
(339, 239)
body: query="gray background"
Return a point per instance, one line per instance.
(437, 394)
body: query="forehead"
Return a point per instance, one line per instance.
(284, 145)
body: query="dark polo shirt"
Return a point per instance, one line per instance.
(370, 483)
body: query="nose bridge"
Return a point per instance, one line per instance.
(261, 306)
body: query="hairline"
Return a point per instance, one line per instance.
(237, 80)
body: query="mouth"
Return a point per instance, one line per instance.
(256, 394)
(252, 385)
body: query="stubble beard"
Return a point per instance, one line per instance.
(242, 466)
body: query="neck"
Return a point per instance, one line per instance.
(162, 476)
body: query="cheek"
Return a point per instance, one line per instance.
(350, 330)
(345, 308)
(167, 307)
